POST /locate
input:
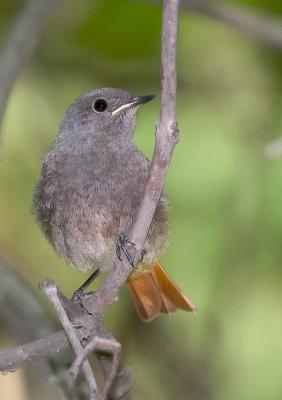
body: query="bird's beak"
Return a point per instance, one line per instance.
(137, 101)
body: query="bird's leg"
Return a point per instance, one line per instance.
(121, 247)
(80, 292)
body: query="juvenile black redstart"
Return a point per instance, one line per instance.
(91, 184)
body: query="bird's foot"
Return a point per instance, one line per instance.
(77, 298)
(122, 248)
(80, 292)
(143, 254)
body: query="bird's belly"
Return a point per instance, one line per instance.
(85, 237)
(84, 226)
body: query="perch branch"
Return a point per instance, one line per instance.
(165, 139)
(20, 44)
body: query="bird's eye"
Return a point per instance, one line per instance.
(100, 105)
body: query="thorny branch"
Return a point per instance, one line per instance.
(166, 138)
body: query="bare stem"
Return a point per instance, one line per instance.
(166, 133)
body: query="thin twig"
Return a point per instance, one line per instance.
(23, 318)
(20, 44)
(98, 343)
(110, 346)
(22, 313)
(267, 29)
(166, 138)
(50, 290)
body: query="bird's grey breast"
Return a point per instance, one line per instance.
(83, 201)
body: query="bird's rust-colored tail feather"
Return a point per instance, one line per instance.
(154, 292)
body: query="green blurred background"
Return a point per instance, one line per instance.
(226, 195)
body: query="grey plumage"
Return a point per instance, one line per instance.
(92, 181)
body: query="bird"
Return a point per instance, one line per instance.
(91, 184)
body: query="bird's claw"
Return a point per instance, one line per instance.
(77, 299)
(122, 242)
(143, 254)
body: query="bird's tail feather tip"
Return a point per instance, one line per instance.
(154, 293)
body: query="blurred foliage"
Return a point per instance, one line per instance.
(261, 5)
(226, 226)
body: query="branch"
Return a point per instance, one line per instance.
(20, 44)
(22, 314)
(23, 318)
(265, 29)
(101, 344)
(51, 292)
(18, 304)
(165, 141)
(166, 133)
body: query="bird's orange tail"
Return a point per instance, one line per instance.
(154, 292)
